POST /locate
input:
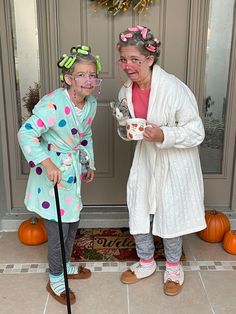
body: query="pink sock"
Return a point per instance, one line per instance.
(173, 268)
(146, 262)
(170, 264)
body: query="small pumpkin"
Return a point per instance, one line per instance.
(229, 242)
(32, 231)
(217, 225)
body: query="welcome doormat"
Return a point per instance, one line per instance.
(109, 244)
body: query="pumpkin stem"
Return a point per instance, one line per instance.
(213, 212)
(34, 220)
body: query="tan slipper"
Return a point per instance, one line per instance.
(83, 273)
(172, 288)
(129, 277)
(62, 297)
(173, 282)
(136, 273)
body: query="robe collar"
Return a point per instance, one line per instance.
(153, 93)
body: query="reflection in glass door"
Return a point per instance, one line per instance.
(219, 41)
(26, 57)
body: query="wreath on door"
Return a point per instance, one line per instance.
(118, 6)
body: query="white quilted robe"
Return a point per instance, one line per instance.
(166, 178)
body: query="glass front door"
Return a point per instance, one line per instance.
(26, 59)
(217, 150)
(218, 53)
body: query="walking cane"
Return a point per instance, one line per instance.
(62, 248)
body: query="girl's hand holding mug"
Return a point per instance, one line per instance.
(153, 133)
(138, 129)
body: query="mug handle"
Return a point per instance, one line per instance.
(150, 126)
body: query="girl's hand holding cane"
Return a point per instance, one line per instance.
(53, 173)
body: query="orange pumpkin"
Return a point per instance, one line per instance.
(230, 242)
(32, 231)
(217, 225)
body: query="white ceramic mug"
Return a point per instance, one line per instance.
(135, 128)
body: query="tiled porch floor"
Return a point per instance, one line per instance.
(210, 283)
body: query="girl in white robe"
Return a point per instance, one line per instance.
(165, 185)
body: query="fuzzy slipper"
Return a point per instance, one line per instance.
(136, 273)
(62, 297)
(83, 273)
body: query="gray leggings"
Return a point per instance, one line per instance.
(54, 246)
(145, 247)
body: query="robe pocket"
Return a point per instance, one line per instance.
(68, 178)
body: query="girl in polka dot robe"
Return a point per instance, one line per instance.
(56, 140)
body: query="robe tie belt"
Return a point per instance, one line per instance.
(73, 158)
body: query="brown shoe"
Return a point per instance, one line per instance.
(128, 277)
(136, 273)
(173, 282)
(62, 297)
(172, 288)
(83, 273)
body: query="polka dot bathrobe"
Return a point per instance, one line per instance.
(55, 131)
